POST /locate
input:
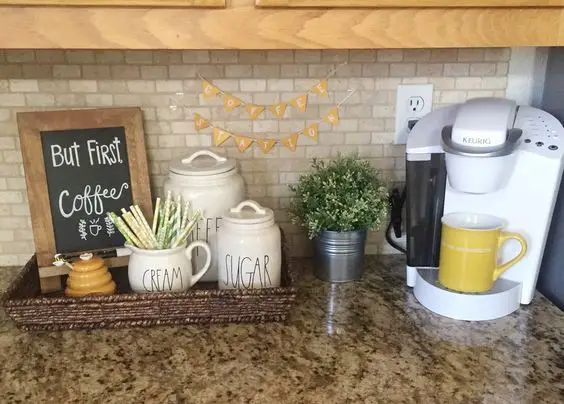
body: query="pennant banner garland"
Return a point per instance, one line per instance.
(278, 109)
(254, 110)
(200, 123)
(311, 131)
(265, 145)
(300, 103)
(290, 142)
(220, 136)
(209, 89)
(243, 142)
(332, 116)
(320, 88)
(230, 102)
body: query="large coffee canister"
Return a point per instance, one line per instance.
(213, 185)
(249, 248)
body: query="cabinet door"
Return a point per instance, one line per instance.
(407, 3)
(119, 3)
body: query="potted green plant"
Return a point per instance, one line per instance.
(337, 202)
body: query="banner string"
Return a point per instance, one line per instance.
(220, 92)
(255, 137)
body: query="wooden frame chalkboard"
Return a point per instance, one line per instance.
(36, 127)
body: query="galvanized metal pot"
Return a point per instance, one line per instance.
(339, 256)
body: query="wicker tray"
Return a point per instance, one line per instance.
(30, 310)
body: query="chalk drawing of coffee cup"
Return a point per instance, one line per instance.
(94, 227)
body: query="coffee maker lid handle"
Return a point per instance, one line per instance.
(513, 136)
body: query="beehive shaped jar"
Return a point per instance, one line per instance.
(89, 277)
(213, 185)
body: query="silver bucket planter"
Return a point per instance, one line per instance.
(339, 256)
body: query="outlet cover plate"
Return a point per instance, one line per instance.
(413, 101)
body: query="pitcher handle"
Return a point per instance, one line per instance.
(505, 236)
(194, 156)
(188, 253)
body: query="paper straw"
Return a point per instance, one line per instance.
(144, 236)
(181, 238)
(164, 228)
(124, 230)
(141, 219)
(161, 218)
(130, 220)
(178, 218)
(185, 215)
(156, 216)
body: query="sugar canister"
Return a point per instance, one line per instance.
(249, 248)
(212, 183)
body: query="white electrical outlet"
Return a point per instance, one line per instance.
(413, 101)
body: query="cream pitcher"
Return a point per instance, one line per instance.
(167, 270)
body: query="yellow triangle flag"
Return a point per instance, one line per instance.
(243, 142)
(220, 136)
(278, 109)
(230, 102)
(290, 141)
(320, 88)
(332, 116)
(254, 110)
(312, 131)
(209, 89)
(200, 123)
(300, 103)
(265, 145)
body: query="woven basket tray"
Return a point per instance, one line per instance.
(204, 303)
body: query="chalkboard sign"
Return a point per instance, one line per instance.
(81, 164)
(96, 160)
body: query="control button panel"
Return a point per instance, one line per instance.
(542, 133)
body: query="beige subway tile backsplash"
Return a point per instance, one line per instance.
(166, 85)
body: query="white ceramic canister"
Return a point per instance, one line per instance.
(249, 248)
(213, 185)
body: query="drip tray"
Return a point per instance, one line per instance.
(502, 299)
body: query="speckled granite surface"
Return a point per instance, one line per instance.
(363, 342)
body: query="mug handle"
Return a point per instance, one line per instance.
(503, 237)
(188, 253)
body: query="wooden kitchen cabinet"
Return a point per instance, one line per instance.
(119, 3)
(241, 24)
(406, 3)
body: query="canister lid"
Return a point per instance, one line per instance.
(255, 215)
(201, 163)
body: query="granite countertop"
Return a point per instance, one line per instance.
(362, 342)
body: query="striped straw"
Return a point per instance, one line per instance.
(156, 216)
(130, 220)
(124, 230)
(144, 224)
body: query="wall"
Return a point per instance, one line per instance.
(49, 79)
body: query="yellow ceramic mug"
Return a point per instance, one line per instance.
(470, 243)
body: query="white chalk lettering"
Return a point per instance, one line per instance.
(104, 154)
(89, 201)
(65, 155)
